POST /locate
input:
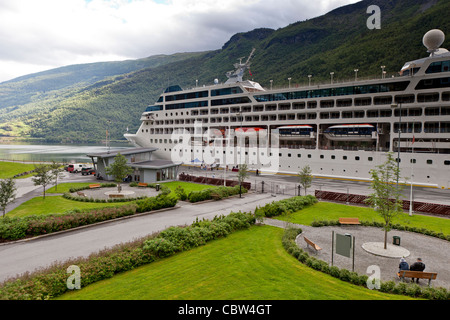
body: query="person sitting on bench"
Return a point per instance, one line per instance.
(417, 266)
(403, 265)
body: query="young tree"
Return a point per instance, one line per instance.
(386, 196)
(242, 175)
(119, 169)
(56, 172)
(305, 177)
(7, 193)
(43, 176)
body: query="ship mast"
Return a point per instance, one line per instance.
(237, 74)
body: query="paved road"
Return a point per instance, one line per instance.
(21, 257)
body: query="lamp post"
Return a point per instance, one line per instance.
(331, 74)
(289, 79)
(271, 83)
(356, 74)
(383, 73)
(393, 106)
(412, 174)
(309, 79)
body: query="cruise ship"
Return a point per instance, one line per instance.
(341, 130)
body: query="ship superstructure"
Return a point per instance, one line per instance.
(341, 130)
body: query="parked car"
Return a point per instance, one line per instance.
(87, 171)
(76, 167)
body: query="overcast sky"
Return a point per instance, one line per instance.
(37, 35)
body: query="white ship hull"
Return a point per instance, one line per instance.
(416, 104)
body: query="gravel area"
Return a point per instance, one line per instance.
(434, 252)
(127, 192)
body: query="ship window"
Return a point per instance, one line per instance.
(357, 158)
(429, 161)
(299, 155)
(447, 162)
(370, 159)
(289, 155)
(344, 158)
(438, 66)
(321, 156)
(434, 83)
(446, 96)
(333, 157)
(413, 161)
(309, 156)
(226, 91)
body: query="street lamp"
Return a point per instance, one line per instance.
(393, 106)
(271, 82)
(289, 79)
(383, 73)
(309, 79)
(331, 74)
(240, 151)
(356, 74)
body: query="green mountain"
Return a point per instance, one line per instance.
(78, 109)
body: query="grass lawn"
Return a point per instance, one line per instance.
(10, 169)
(65, 187)
(248, 265)
(55, 204)
(333, 211)
(187, 186)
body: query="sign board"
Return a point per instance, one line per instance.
(344, 245)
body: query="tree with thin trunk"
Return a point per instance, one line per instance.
(7, 193)
(56, 172)
(305, 177)
(43, 176)
(387, 192)
(242, 175)
(119, 169)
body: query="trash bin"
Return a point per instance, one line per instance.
(157, 187)
(396, 240)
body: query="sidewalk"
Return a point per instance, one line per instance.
(434, 252)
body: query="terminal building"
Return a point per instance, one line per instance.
(146, 169)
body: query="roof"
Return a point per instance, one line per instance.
(114, 153)
(155, 164)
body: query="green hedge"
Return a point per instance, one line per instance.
(29, 226)
(412, 290)
(52, 282)
(215, 193)
(285, 206)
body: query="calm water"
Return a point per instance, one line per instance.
(56, 152)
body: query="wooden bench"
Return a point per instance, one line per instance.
(349, 221)
(402, 274)
(91, 186)
(312, 244)
(81, 194)
(141, 184)
(116, 195)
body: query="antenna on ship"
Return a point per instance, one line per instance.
(432, 40)
(236, 75)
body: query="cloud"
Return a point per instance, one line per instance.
(44, 34)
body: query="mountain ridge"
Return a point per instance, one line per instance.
(338, 41)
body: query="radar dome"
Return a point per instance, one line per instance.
(433, 39)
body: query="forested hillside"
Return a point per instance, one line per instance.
(339, 41)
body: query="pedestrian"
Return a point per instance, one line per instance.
(417, 266)
(403, 265)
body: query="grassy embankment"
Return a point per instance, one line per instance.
(249, 265)
(10, 169)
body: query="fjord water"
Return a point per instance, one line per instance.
(53, 152)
